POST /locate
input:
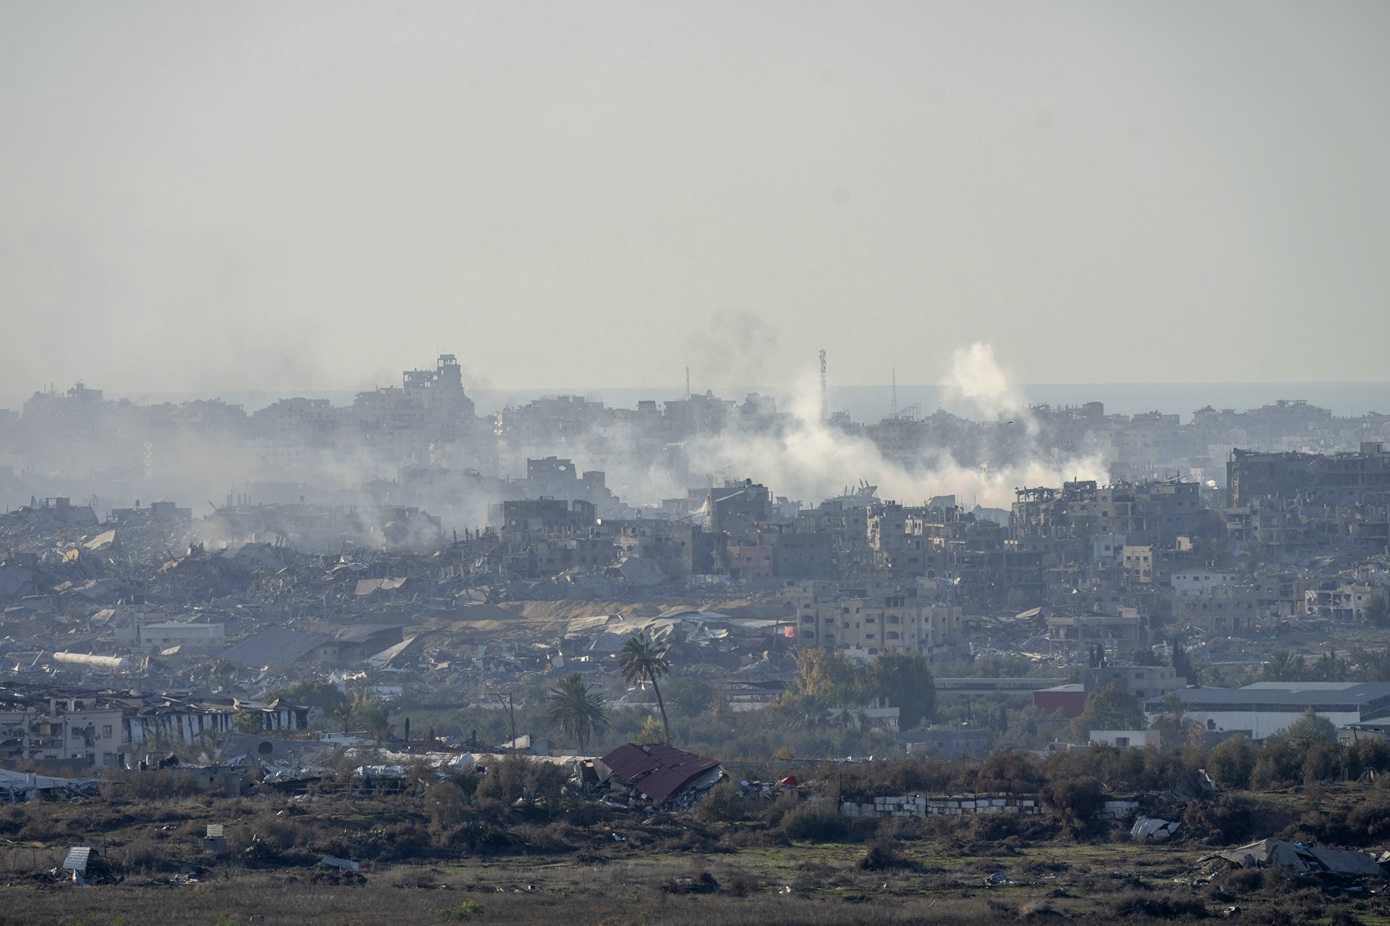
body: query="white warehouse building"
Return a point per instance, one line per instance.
(1265, 708)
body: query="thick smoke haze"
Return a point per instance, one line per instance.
(202, 455)
(978, 387)
(813, 460)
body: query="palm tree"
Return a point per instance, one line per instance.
(1175, 724)
(577, 710)
(374, 717)
(1283, 666)
(643, 658)
(805, 711)
(342, 713)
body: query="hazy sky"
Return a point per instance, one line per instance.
(210, 197)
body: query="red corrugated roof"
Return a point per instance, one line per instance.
(657, 771)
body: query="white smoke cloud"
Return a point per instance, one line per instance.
(810, 460)
(979, 387)
(799, 456)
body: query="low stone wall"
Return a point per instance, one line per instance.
(917, 805)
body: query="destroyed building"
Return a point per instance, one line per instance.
(111, 729)
(880, 617)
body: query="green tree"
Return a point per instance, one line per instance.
(448, 805)
(1145, 656)
(1283, 666)
(1231, 762)
(517, 785)
(1074, 799)
(223, 672)
(691, 697)
(905, 680)
(804, 711)
(650, 734)
(1330, 668)
(1310, 728)
(321, 695)
(1176, 728)
(311, 693)
(342, 714)
(1372, 665)
(1305, 750)
(828, 674)
(577, 710)
(1108, 708)
(1377, 611)
(374, 717)
(642, 658)
(251, 722)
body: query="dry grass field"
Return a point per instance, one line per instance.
(425, 857)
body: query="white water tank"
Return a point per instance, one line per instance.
(111, 663)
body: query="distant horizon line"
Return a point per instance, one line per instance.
(863, 403)
(702, 388)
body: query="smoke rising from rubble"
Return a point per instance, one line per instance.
(980, 385)
(190, 461)
(811, 460)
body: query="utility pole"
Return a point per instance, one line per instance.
(504, 698)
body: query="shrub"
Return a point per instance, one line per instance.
(1244, 880)
(474, 836)
(161, 785)
(12, 820)
(469, 909)
(1166, 907)
(703, 883)
(785, 803)
(550, 838)
(721, 804)
(280, 833)
(1074, 800)
(882, 855)
(1321, 762)
(1229, 818)
(1230, 762)
(448, 806)
(1278, 764)
(815, 823)
(38, 828)
(1367, 756)
(993, 827)
(1007, 771)
(406, 839)
(740, 884)
(1371, 818)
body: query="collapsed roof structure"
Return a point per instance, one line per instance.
(659, 771)
(1301, 859)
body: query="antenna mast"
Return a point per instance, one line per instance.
(824, 402)
(687, 384)
(894, 413)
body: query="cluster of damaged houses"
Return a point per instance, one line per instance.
(1108, 556)
(116, 729)
(385, 592)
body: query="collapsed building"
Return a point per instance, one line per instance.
(658, 772)
(110, 729)
(1298, 499)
